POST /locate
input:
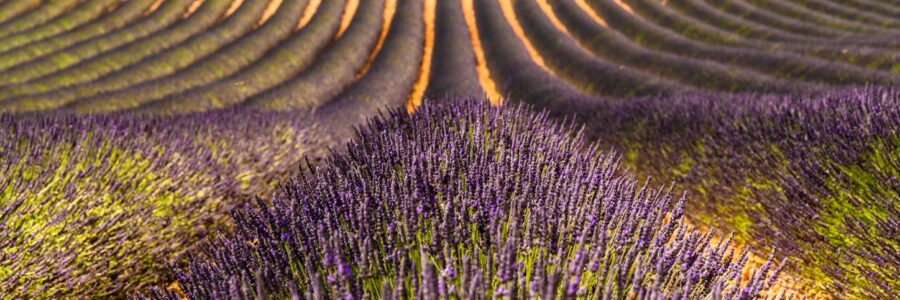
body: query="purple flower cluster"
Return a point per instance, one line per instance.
(92, 206)
(816, 176)
(470, 201)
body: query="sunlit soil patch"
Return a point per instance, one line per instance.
(349, 12)
(235, 4)
(153, 7)
(624, 6)
(390, 7)
(308, 13)
(193, 8)
(590, 12)
(484, 74)
(510, 14)
(270, 10)
(548, 10)
(421, 84)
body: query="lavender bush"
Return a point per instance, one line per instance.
(467, 201)
(814, 176)
(93, 206)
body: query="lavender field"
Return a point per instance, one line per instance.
(449, 149)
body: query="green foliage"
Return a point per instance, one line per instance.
(88, 211)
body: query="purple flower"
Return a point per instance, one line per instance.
(522, 217)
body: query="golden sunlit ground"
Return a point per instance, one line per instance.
(390, 7)
(484, 74)
(421, 84)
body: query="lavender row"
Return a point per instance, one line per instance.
(849, 12)
(281, 63)
(784, 64)
(389, 80)
(519, 78)
(798, 12)
(64, 70)
(814, 176)
(80, 56)
(472, 202)
(649, 131)
(124, 14)
(332, 72)
(603, 76)
(871, 54)
(91, 207)
(49, 94)
(614, 46)
(755, 14)
(453, 64)
(36, 17)
(745, 28)
(226, 61)
(876, 7)
(162, 17)
(76, 17)
(846, 57)
(12, 9)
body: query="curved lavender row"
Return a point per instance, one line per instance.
(226, 61)
(889, 2)
(78, 16)
(79, 54)
(743, 10)
(388, 82)
(594, 76)
(238, 25)
(157, 19)
(700, 10)
(11, 9)
(814, 176)
(667, 17)
(47, 11)
(281, 63)
(518, 77)
(840, 56)
(614, 46)
(874, 7)
(334, 70)
(93, 206)
(838, 47)
(467, 201)
(849, 12)
(800, 13)
(872, 55)
(453, 65)
(126, 13)
(783, 64)
(671, 120)
(86, 70)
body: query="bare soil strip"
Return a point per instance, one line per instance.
(484, 74)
